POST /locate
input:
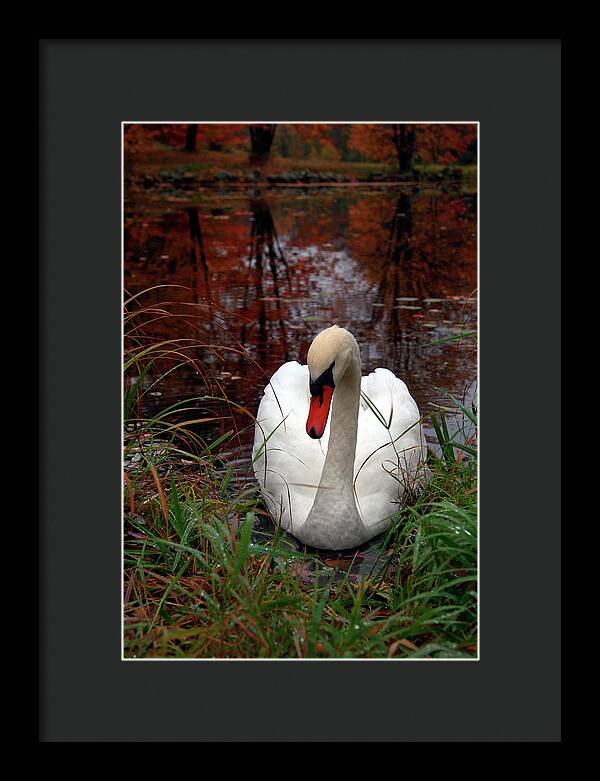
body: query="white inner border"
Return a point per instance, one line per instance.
(122, 543)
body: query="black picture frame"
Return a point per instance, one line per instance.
(87, 87)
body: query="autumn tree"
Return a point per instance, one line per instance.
(319, 138)
(404, 144)
(444, 143)
(310, 136)
(386, 143)
(261, 140)
(191, 137)
(142, 138)
(216, 137)
(429, 143)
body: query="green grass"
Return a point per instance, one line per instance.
(202, 581)
(198, 586)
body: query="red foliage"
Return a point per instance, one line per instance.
(373, 142)
(435, 143)
(444, 143)
(217, 137)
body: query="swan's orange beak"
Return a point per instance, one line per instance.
(319, 412)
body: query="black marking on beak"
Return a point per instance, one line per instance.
(316, 387)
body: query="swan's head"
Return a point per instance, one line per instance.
(329, 356)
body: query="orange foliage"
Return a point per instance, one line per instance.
(139, 138)
(435, 143)
(319, 136)
(444, 143)
(373, 142)
(223, 137)
(142, 137)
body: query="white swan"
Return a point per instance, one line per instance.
(334, 485)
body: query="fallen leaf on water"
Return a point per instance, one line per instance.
(342, 563)
(383, 613)
(395, 645)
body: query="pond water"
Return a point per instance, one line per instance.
(271, 267)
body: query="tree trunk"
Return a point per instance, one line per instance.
(434, 146)
(191, 137)
(261, 140)
(405, 141)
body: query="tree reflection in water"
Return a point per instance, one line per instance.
(265, 246)
(199, 264)
(397, 260)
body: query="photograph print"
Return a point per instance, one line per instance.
(300, 391)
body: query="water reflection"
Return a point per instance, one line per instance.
(324, 567)
(396, 267)
(265, 247)
(395, 270)
(197, 256)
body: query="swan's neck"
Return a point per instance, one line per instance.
(334, 521)
(338, 468)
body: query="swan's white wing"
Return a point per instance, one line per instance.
(287, 462)
(390, 448)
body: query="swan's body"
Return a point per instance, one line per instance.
(336, 486)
